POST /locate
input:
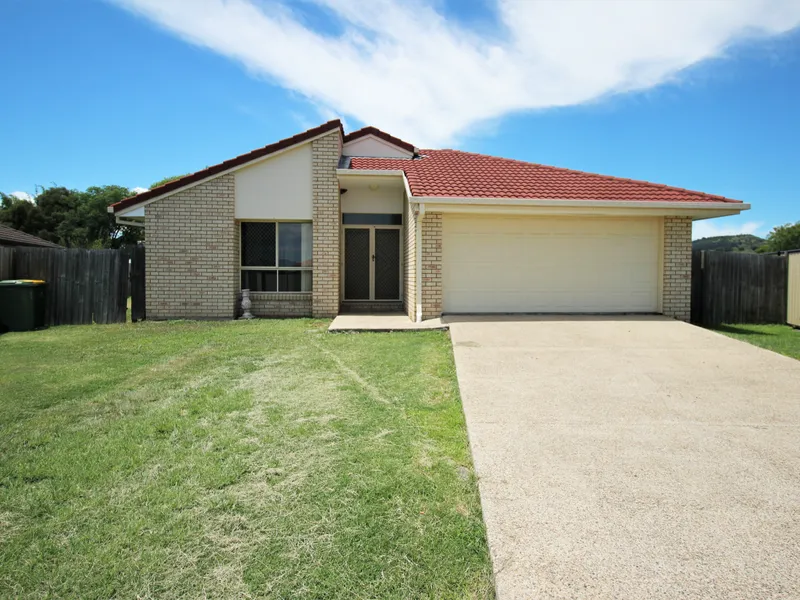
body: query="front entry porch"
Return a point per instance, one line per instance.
(382, 322)
(371, 265)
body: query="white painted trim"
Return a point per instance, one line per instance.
(620, 209)
(130, 223)
(418, 246)
(371, 172)
(220, 174)
(579, 203)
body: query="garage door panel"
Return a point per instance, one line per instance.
(527, 264)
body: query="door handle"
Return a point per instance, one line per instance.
(373, 258)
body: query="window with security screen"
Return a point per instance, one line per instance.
(276, 256)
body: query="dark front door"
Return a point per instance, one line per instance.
(372, 263)
(387, 264)
(357, 261)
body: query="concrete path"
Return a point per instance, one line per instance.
(632, 458)
(381, 322)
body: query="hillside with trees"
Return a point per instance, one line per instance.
(780, 239)
(729, 243)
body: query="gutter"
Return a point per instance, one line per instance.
(129, 223)
(578, 203)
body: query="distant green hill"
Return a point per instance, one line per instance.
(729, 243)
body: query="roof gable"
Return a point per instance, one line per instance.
(372, 142)
(227, 165)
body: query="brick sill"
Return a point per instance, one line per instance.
(280, 295)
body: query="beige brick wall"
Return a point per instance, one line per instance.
(325, 152)
(192, 253)
(280, 305)
(677, 282)
(410, 261)
(431, 265)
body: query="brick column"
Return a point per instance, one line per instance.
(192, 253)
(677, 283)
(325, 152)
(431, 265)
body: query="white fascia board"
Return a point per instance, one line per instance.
(619, 210)
(130, 223)
(188, 186)
(370, 172)
(554, 202)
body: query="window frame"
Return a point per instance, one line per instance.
(277, 266)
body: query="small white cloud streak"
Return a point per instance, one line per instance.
(22, 196)
(139, 190)
(705, 228)
(402, 66)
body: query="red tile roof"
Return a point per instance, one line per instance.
(452, 173)
(354, 135)
(228, 164)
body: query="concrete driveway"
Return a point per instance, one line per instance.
(632, 457)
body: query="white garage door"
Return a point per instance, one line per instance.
(548, 264)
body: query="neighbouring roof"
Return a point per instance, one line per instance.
(228, 164)
(365, 131)
(452, 173)
(13, 237)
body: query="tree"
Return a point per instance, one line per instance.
(167, 180)
(101, 227)
(783, 237)
(58, 207)
(71, 218)
(21, 214)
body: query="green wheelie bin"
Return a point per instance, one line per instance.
(22, 304)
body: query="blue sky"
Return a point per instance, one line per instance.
(129, 91)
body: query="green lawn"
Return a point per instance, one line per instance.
(235, 460)
(778, 338)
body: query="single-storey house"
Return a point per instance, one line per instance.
(325, 221)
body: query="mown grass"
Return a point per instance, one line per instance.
(263, 459)
(778, 338)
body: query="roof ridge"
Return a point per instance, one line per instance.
(642, 182)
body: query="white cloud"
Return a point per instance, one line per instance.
(139, 190)
(706, 228)
(402, 66)
(22, 196)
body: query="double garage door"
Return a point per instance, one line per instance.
(550, 265)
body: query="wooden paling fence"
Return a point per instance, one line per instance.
(137, 283)
(83, 286)
(732, 287)
(6, 262)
